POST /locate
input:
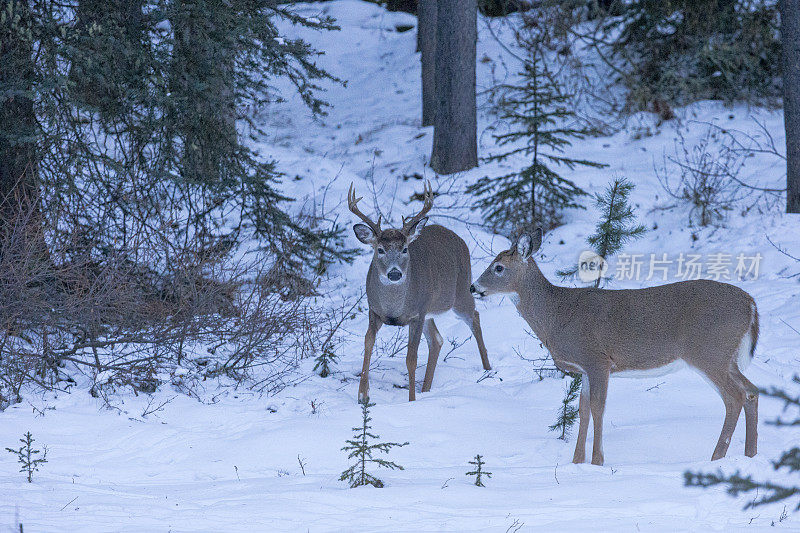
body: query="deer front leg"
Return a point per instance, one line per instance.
(414, 336)
(583, 424)
(476, 331)
(375, 324)
(598, 391)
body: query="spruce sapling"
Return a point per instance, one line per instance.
(616, 227)
(567, 414)
(323, 363)
(27, 456)
(766, 491)
(361, 449)
(539, 116)
(478, 472)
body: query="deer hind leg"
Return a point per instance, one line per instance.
(583, 424)
(598, 392)
(435, 342)
(750, 412)
(733, 395)
(414, 336)
(369, 342)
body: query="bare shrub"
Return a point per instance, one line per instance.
(118, 322)
(704, 175)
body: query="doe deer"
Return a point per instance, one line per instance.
(712, 326)
(416, 271)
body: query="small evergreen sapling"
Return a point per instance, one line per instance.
(766, 491)
(478, 472)
(324, 361)
(27, 456)
(539, 116)
(568, 413)
(616, 227)
(361, 449)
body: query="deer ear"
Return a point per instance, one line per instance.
(527, 244)
(415, 230)
(536, 240)
(364, 233)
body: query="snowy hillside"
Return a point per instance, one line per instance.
(238, 461)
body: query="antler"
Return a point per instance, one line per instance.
(427, 193)
(351, 203)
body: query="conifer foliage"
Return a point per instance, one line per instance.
(766, 491)
(361, 449)
(28, 457)
(568, 413)
(479, 471)
(133, 108)
(323, 363)
(617, 226)
(538, 116)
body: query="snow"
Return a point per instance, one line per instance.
(231, 462)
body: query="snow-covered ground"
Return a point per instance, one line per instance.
(230, 463)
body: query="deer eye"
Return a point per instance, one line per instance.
(405, 250)
(381, 251)
(499, 269)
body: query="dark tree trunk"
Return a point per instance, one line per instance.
(790, 40)
(455, 142)
(203, 78)
(426, 33)
(409, 6)
(18, 128)
(21, 232)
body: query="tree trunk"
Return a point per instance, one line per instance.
(455, 142)
(18, 128)
(790, 40)
(409, 6)
(22, 240)
(426, 33)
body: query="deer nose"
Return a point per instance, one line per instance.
(472, 289)
(394, 274)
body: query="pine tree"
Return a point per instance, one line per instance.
(108, 67)
(568, 413)
(27, 456)
(478, 472)
(539, 115)
(766, 491)
(616, 227)
(126, 117)
(324, 361)
(361, 449)
(681, 51)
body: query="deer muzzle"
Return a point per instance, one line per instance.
(394, 274)
(477, 291)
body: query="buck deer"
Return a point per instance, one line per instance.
(712, 326)
(416, 271)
